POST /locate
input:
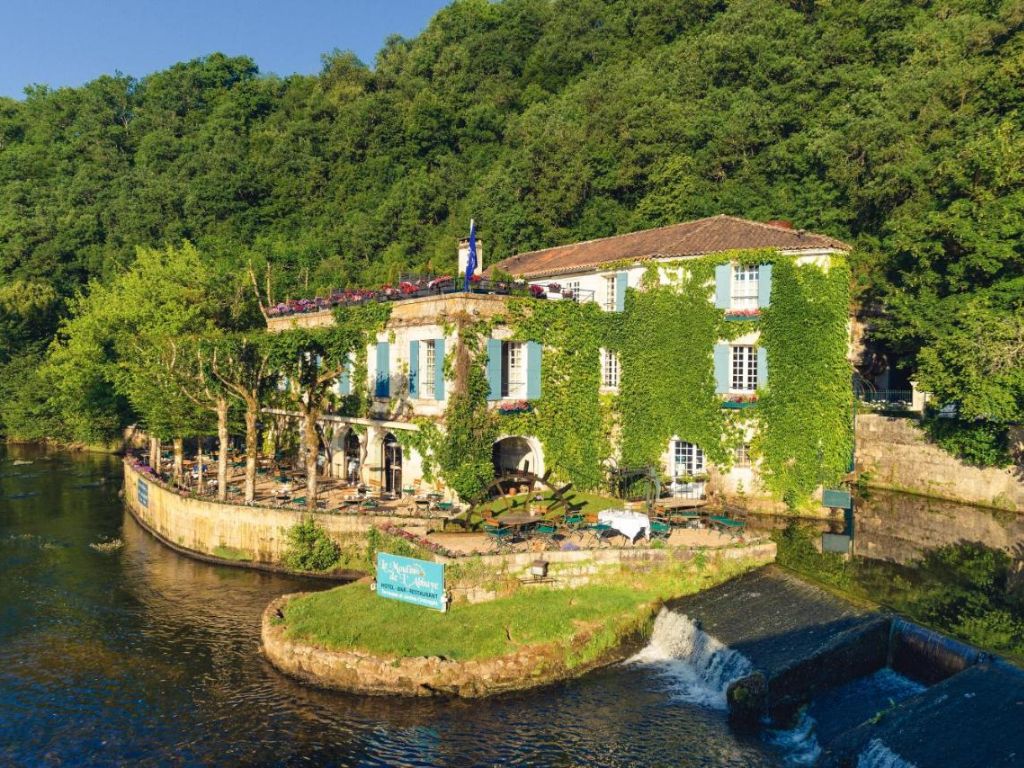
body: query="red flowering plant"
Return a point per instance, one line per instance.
(420, 541)
(510, 407)
(741, 397)
(742, 314)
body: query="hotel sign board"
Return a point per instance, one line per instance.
(142, 492)
(419, 582)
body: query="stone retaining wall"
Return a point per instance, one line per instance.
(895, 454)
(577, 568)
(365, 673)
(258, 534)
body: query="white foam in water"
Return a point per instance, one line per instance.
(799, 745)
(877, 755)
(698, 667)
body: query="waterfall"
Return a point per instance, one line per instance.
(877, 755)
(697, 667)
(799, 745)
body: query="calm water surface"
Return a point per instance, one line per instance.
(142, 657)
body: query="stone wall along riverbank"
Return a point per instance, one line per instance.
(892, 452)
(257, 535)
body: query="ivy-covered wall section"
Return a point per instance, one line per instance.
(667, 383)
(568, 419)
(805, 413)
(802, 418)
(665, 339)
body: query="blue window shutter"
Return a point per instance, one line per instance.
(383, 388)
(723, 286)
(621, 283)
(722, 368)
(533, 358)
(764, 285)
(762, 367)
(414, 369)
(439, 369)
(494, 368)
(345, 380)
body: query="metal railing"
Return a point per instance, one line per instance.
(887, 397)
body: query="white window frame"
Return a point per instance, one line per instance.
(741, 456)
(687, 459)
(513, 365)
(742, 368)
(573, 288)
(428, 363)
(745, 282)
(610, 369)
(609, 293)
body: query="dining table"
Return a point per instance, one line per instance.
(627, 522)
(515, 520)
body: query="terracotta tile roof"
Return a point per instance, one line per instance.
(691, 238)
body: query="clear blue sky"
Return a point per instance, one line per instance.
(69, 42)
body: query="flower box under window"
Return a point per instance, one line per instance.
(737, 402)
(743, 314)
(513, 407)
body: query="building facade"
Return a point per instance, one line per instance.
(716, 279)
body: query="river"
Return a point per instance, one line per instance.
(141, 657)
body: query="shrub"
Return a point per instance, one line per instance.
(310, 548)
(981, 443)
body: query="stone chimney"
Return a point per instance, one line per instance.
(464, 256)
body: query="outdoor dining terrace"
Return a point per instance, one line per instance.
(281, 483)
(531, 520)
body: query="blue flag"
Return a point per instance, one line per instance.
(471, 260)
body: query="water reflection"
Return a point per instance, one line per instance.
(954, 567)
(142, 657)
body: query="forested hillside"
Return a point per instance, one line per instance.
(893, 125)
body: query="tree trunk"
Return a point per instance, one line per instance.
(222, 439)
(312, 446)
(201, 483)
(154, 453)
(179, 458)
(251, 450)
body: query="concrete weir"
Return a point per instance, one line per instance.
(799, 640)
(970, 720)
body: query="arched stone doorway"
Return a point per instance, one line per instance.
(391, 464)
(346, 455)
(515, 454)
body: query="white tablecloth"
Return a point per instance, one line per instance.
(624, 521)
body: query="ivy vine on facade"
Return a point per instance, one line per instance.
(714, 350)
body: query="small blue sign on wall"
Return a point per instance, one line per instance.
(837, 499)
(420, 582)
(143, 493)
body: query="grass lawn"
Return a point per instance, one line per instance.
(354, 617)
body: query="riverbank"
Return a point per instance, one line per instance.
(349, 639)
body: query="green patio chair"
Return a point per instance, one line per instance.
(544, 531)
(574, 521)
(599, 532)
(502, 537)
(660, 529)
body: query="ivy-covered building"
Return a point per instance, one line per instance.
(712, 350)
